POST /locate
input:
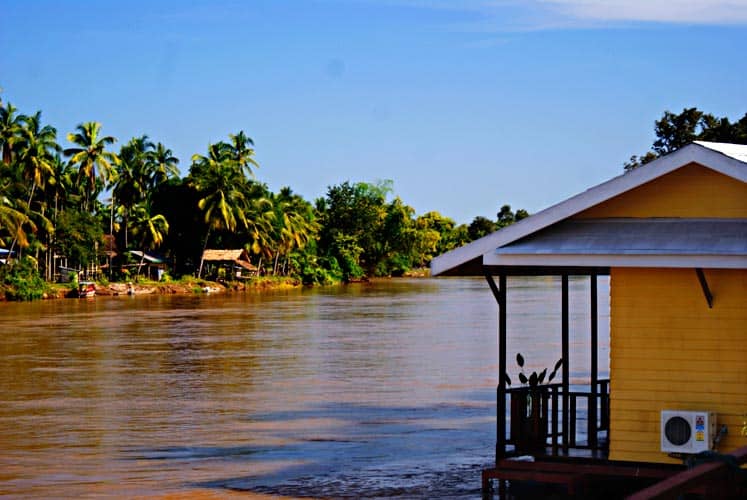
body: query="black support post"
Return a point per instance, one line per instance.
(499, 292)
(501, 443)
(592, 412)
(565, 356)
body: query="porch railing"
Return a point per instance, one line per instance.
(588, 415)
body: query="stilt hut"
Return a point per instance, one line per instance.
(234, 263)
(672, 237)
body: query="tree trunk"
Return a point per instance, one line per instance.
(202, 257)
(275, 266)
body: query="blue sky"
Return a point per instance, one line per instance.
(464, 105)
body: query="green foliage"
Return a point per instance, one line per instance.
(50, 203)
(21, 280)
(481, 226)
(535, 379)
(78, 236)
(674, 131)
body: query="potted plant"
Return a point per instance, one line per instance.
(529, 412)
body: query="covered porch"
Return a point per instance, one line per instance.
(574, 417)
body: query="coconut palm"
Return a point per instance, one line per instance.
(133, 177)
(222, 189)
(295, 225)
(11, 124)
(35, 154)
(12, 219)
(152, 229)
(163, 165)
(36, 149)
(260, 219)
(90, 155)
(241, 152)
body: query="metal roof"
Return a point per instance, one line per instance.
(661, 236)
(736, 151)
(727, 159)
(149, 258)
(693, 243)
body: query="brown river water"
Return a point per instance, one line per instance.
(385, 389)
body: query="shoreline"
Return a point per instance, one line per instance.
(195, 286)
(189, 287)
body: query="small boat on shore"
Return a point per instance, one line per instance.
(86, 289)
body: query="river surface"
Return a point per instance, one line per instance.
(368, 390)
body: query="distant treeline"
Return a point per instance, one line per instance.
(91, 200)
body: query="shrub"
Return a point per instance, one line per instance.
(22, 280)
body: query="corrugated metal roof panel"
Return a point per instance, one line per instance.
(636, 237)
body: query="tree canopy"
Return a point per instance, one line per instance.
(676, 130)
(85, 205)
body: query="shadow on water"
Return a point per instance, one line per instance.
(369, 452)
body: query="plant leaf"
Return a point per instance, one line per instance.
(520, 360)
(523, 378)
(533, 379)
(558, 364)
(552, 376)
(542, 376)
(508, 379)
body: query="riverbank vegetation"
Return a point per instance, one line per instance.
(85, 208)
(86, 205)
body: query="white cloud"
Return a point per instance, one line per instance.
(521, 15)
(723, 12)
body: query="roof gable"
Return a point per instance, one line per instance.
(727, 159)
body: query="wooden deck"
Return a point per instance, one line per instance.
(718, 476)
(572, 477)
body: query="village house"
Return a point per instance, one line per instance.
(672, 237)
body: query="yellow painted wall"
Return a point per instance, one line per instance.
(668, 350)
(691, 191)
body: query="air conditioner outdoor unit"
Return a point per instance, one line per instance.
(687, 431)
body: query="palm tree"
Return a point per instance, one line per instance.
(12, 219)
(295, 225)
(222, 192)
(132, 179)
(241, 151)
(163, 165)
(91, 155)
(36, 149)
(261, 216)
(11, 125)
(152, 228)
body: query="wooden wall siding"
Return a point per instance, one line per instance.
(668, 350)
(691, 191)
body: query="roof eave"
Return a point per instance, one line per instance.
(449, 262)
(704, 261)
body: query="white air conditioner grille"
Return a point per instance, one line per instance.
(677, 431)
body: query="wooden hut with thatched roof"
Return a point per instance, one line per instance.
(227, 264)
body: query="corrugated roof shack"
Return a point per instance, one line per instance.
(153, 267)
(227, 264)
(672, 236)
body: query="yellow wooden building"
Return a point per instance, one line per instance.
(672, 236)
